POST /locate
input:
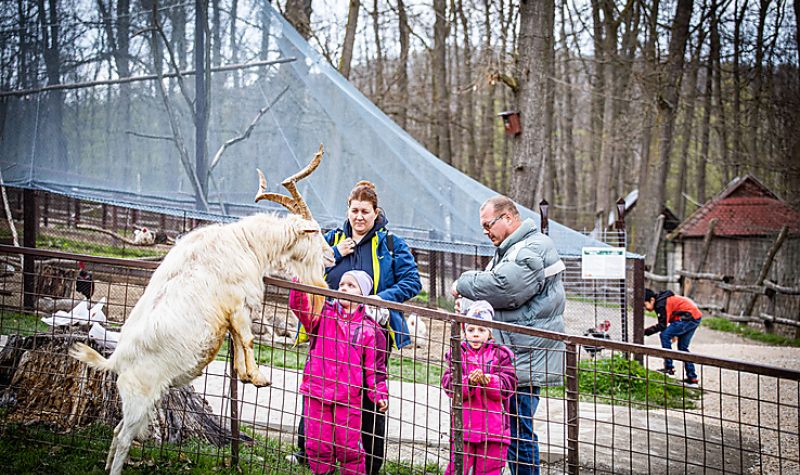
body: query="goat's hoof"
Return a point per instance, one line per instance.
(260, 381)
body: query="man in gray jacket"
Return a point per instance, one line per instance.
(523, 284)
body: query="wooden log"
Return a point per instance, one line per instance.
(752, 289)
(739, 318)
(781, 289)
(782, 321)
(670, 279)
(40, 383)
(705, 276)
(762, 276)
(703, 254)
(710, 306)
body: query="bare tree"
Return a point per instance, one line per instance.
(534, 50)
(298, 14)
(654, 189)
(441, 92)
(349, 38)
(402, 80)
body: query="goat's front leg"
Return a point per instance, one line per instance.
(244, 358)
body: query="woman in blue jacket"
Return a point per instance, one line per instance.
(364, 243)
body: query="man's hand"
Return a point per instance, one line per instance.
(453, 290)
(383, 405)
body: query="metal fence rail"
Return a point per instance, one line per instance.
(612, 415)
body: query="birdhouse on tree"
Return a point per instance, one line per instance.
(511, 122)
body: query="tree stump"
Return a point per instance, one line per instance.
(40, 383)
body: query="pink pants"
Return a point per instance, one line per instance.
(333, 434)
(483, 458)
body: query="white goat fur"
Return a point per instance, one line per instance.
(208, 284)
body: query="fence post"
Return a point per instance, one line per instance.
(456, 408)
(30, 213)
(543, 207)
(573, 409)
(638, 306)
(619, 226)
(234, 386)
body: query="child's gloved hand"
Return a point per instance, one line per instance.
(477, 377)
(383, 405)
(379, 314)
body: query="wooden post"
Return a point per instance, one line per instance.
(234, 406)
(114, 213)
(77, 212)
(769, 326)
(703, 254)
(457, 415)
(638, 306)
(650, 258)
(433, 260)
(30, 211)
(776, 246)
(573, 409)
(46, 209)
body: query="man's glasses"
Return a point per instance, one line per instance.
(488, 226)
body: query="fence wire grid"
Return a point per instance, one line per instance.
(611, 415)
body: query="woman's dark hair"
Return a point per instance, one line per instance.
(364, 191)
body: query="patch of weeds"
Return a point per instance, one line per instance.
(619, 381)
(94, 249)
(21, 323)
(724, 325)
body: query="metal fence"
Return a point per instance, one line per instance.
(612, 415)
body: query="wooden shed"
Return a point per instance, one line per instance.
(736, 234)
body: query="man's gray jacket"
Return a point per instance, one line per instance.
(523, 284)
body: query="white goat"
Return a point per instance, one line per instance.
(207, 285)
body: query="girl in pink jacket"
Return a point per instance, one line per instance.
(488, 380)
(346, 355)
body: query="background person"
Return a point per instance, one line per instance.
(678, 317)
(523, 285)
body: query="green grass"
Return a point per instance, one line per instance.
(20, 323)
(94, 249)
(35, 449)
(619, 381)
(723, 325)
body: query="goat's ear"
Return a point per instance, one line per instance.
(306, 226)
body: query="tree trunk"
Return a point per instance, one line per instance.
(53, 142)
(349, 38)
(298, 14)
(467, 99)
(653, 201)
(570, 198)
(758, 74)
(234, 43)
(535, 44)
(440, 89)
(737, 86)
(598, 102)
(402, 81)
(722, 125)
(679, 202)
(376, 30)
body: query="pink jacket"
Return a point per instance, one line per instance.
(348, 353)
(485, 407)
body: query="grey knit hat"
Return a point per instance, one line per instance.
(363, 279)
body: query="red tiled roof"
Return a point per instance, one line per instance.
(745, 216)
(745, 208)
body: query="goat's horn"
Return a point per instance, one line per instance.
(291, 184)
(263, 194)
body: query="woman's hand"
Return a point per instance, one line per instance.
(346, 247)
(383, 405)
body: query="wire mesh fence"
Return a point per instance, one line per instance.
(610, 414)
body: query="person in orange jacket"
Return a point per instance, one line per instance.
(678, 317)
